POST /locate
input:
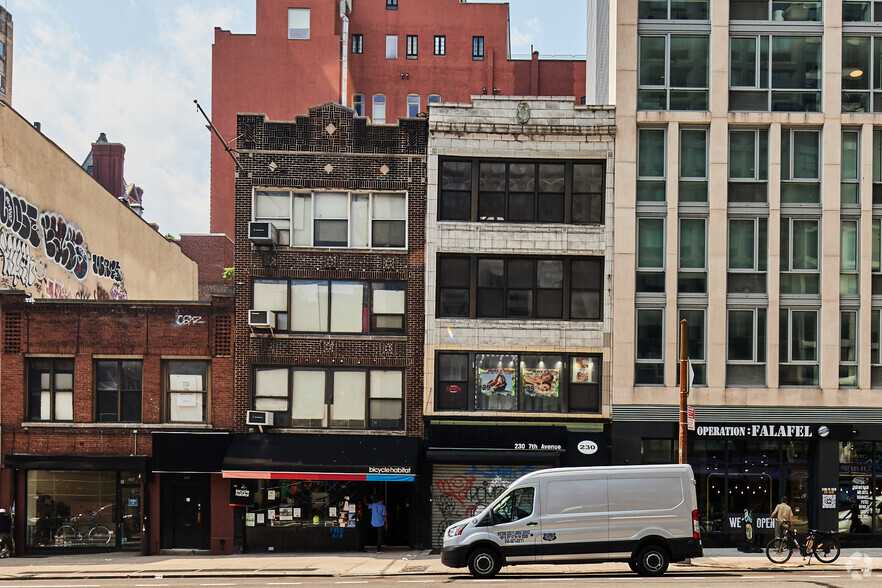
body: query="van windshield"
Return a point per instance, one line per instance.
(517, 505)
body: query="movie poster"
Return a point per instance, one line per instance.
(544, 383)
(496, 381)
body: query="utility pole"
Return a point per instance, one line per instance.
(684, 392)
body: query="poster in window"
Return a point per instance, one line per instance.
(584, 370)
(249, 519)
(541, 382)
(496, 381)
(260, 518)
(286, 513)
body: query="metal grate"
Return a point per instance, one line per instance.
(223, 336)
(12, 332)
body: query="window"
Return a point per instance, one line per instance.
(357, 44)
(413, 105)
(520, 287)
(332, 398)
(274, 206)
(849, 237)
(877, 166)
(391, 4)
(412, 47)
(518, 382)
(850, 167)
(649, 367)
(876, 253)
(776, 10)
(440, 45)
(748, 165)
(650, 254)
(333, 306)
(800, 166)
(477, 48)
(848, 349)
(518, 504)
(391, 46)
(775, 73)
(298, 23)
(748, 255)
(695, 334)
(522, 191)
(2, 50)
(798, 348)
(651, 165)
(861, 11)
(861, 74)
(746, 348)
(186, 390)
(434, 99)
(118, 391)
(693, 165)
(692, 276)
(378, 114)
(876, 348)
(358, 104)
(50, 389)
(673, 72)
(673, 9)
(800, 273)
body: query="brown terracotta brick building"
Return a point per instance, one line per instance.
(115, 417)
(330, 244)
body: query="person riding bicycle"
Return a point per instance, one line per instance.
(784, 520)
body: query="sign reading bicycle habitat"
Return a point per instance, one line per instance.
(746, 431)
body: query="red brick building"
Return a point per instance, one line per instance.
(115, 418)
(386, 59)
(330, 247)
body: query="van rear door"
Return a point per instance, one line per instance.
(515, 524)
(575, 522)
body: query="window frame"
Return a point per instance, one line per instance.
(391, 4)
(54, 368)
(649, 183)
(567, 289)
(874, 12)
(849, 184)
(358, 104)
(697, 352)
(759, 344)
(849, 277)
(412, 47)
(654, 274)
(411, 112)
(391, 47)
(356, 42)
(300, 37)
(570, 384)
(119, 391)
(787, 255)
(789, 179)
(478, 48)
(786, 346)
(328, 396)
(376, 109)
(370, 315)
(167, 390)
(642, 359)
(696, 180)
(440, 45)
(649, 90)
(770, 12)
(669, 12)
(685, 274)
(852, 365)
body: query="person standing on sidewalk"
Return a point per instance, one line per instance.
(784, 515)
(5, 533)
(378, 520)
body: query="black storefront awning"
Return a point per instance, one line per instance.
(322, 457)
(189, 453)
(76, 462)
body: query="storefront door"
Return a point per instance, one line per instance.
(190, 514)
(796, 488)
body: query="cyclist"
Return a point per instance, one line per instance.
(784, 520)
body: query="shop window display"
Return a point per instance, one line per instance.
(859, 497)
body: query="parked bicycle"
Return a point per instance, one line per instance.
(822, 544)
(83, 528)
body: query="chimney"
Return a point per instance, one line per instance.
(108, 161)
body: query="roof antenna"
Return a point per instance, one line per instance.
(226, 145)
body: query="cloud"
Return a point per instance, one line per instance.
(140, 93)
(521, 41)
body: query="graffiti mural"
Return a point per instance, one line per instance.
(30, 238)
(459, 492)
(18, 264)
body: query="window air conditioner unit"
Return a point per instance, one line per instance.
(259, 418)
(263, 233)
(262, 319)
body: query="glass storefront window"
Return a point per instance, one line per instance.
(306, 503)
(71, 509)
(857, 492)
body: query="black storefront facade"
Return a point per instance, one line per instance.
(469, 464)
(306, 492)
(830, 470)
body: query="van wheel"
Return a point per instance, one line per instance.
(484, 563)
(653, 561)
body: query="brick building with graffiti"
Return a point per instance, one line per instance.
(63, 235)
(330, 216)
(115, 418)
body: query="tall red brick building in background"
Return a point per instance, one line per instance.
(386, 59)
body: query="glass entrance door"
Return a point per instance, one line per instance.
(796, 489)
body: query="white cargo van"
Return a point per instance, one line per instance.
(646, 516)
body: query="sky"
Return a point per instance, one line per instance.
(132, 68)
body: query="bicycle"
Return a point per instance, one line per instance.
(83, 528)
(822, 544)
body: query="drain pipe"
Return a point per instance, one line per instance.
(345, 7)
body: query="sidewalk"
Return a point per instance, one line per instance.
(127, 565)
